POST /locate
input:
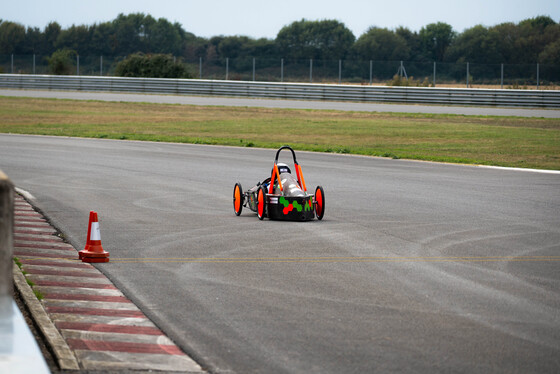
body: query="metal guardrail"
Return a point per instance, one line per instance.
(295, 91)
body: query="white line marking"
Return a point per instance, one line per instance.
(25, 194)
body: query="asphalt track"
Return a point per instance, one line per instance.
(416, 267)
(290, 104)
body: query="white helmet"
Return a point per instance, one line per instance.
(283, 168)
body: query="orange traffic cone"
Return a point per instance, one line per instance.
(93, 251)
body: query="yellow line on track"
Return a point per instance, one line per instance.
(317, 259)
(338, 259)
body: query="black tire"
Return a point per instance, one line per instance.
(319, 202)
(261, 203)
(237, 199)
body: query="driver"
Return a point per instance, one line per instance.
(289, 182)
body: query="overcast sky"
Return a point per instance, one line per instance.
(262, 18)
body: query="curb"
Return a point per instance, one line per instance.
(87, 322)
(64, 356)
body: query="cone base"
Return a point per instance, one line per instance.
(87, 256)
(81, 253)
(94, 254)
(95, 259)
(94, 249)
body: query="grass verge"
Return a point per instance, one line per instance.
(31, 284)
(502, 141)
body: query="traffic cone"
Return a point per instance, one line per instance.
(93, 251)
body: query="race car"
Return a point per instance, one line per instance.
(282, 196)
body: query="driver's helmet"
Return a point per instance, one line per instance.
(283, 168)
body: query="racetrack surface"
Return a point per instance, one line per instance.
(289, 104)
(416, 267)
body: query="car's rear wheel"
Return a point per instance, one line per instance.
(319, 202)
(237, 199)
(261, 203)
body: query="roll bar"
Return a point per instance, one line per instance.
(276, 174)
(285, 147)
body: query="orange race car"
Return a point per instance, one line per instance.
(283, 196)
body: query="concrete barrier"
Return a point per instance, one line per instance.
(19, 352)
(6, 279)
(6, 237)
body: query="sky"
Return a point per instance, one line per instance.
(264, 18)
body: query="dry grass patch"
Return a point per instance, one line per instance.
(506, 141)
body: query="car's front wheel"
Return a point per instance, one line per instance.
(319, 202)
(237, 199)
(261, 202)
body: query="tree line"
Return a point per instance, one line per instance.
(534, 40)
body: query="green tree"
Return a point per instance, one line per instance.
(233, 46)
(131, 33)
(263, 48)
(51, 32)
(435, 39)
(76, 38)
(62, 62)
(475, 45)
(505, 36)
(151, 66)
(164, 37)
(12, 38)
(413, 42)
(102, 39)
(193, 47)
(535, 34)
(381, 44)
(539, 23)
(34, 41)
(551, 54)
(324, 40)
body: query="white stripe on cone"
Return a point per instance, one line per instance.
(95, 232)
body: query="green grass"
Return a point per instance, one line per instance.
(31, 284)
(38, 294)
(503, 141)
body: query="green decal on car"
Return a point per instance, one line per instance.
(288, 207)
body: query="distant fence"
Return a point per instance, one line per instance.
(295, 91)
(416, 73)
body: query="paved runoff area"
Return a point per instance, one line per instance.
(99, 326)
